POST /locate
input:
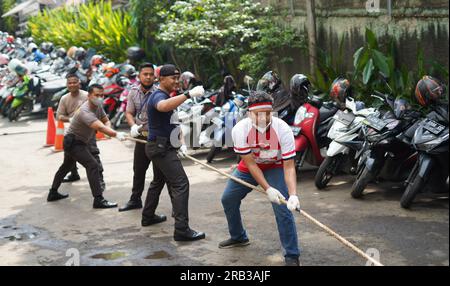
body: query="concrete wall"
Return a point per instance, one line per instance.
(412, 23)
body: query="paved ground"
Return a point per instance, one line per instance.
(34, 232)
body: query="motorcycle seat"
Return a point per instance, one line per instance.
(326, 113)
(53, 86)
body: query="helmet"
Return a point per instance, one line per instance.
(110, 71)
(269, 82)
(429, 90)
(135, 54)
(185, 79)
(32, 47)
(340, 89)
(10, 39)
(61, 52)
(96, 60)
(45, 47)
(401, 105)
(18, 67)
(71, 52)
(19, 41)
(239, 100)
(80, 54)
(299, 86)
(128, 70)
(30, 40)
(4, 59)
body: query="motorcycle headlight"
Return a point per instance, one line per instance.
(301, 115)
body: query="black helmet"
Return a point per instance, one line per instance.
(128, 70)
(61, 52)
(340, 89)
(429, 90)
(45, 47)
(299, 87)
(135, 54)
(269, 82)
(80, 54)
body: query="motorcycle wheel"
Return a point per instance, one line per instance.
(326, 171)
(117, 120)
(411, 192)
(361, 183)
(14, 112)
(5, 109)
(212, 153)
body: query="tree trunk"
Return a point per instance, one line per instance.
(311, 26)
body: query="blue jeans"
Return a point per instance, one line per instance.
(231, 201)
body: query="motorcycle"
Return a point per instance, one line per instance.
(430, 173)
(345, 128)
(386, 152)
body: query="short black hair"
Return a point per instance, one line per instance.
(146, 65)
(259, 97)
(70, 75)
(92, 86)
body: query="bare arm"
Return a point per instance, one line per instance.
(290, 176)
(170, 103)
(130, 118)
(64, 118)
(104, 128)
(255, 171)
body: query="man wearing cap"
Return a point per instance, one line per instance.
(267, 148)
(163, 138)
(136, 115)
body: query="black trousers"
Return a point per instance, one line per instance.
(167, 168)
(96, 152)
(140, 167)
(88, 157)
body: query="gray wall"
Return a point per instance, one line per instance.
(412, 23)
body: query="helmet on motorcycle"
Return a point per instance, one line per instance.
(30, 40)
(429, 90)
(32, 47)
(80, 54)
(185, 79)
(110, 71)
(61, 52)
(135, 54)
(4, 59)
(299, 86)
(18, 67)
(340, 89)
(269, 82)
(239, 100)
(45, 47)
(10, 39)
(128, 70)
(96, 60)
(19, 41)
(71, 52)
(401, 105)
(123, 81)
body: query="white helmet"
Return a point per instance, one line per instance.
(31, 47)
(17, 67)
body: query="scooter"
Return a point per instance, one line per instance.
(345, 128)
(430, 173)
(386, 152)
(311, 124)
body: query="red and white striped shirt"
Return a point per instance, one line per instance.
(269, 149)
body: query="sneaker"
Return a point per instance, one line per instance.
(229, 243)
(290, 261)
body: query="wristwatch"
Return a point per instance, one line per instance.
(186, 93)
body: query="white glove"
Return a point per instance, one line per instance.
(183, 151)
(122, 136)
(293, 203)
(274, 195)
(197, 91)
(134, 131)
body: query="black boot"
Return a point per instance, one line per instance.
(102, 203)
(154, 220)
(188, 235)
(53, 195)
(131, 205)
(72, 178)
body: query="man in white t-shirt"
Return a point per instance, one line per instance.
(266, 146)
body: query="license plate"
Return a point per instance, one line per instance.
(345, 118)
(433, 126)
(375, 122)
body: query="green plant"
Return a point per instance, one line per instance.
(94, 25)
(10, 23)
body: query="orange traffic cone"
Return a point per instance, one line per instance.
(59, 138)
(51, 128)
(100, 136)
